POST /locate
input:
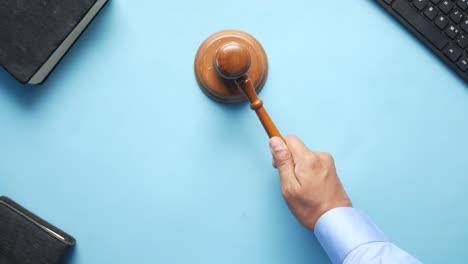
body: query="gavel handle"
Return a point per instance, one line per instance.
(256, 104)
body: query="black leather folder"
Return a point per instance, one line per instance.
(35, 35)
(26, 238)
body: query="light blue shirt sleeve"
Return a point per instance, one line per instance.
(348, 236)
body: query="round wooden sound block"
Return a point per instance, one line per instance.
(211, 82)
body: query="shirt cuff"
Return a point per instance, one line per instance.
(343, 229)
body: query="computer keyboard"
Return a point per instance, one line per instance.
(441, 24)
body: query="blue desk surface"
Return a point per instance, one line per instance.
(121, 149)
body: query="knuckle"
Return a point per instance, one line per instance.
(327, 159)
(282, 158)
(288, 191)
(293, 140)
(290, 138)
(285, 191)
(328, 156)
(311, 159)
(302, 171)
(309, 163)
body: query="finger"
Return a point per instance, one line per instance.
(325, 158)
(284, 161)
(305, 159)
(297, 148)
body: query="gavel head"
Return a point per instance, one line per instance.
(227, 56)
(232, 60)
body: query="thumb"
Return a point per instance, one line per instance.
(282, 158)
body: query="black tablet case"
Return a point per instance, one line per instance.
(31, 30)
(27, 239)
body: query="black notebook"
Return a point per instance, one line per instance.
(26, 238)
(34, 35)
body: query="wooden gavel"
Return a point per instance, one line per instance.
(232, 62)
(231, 66)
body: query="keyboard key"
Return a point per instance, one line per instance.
(426, 28)
(420, 4)
(431, 12)
(452, 52)
(464, 25)
(452, 31)
(457, 16)
(463, 4)
(462, 41)
(446, 6)
(463, 63)
(441, 22)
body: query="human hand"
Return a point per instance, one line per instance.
(309, 182)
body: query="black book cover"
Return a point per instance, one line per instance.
(34, 35)
(26, 238)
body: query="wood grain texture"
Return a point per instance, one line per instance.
(210, 81)
(245, 84)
